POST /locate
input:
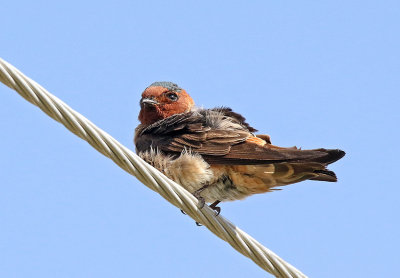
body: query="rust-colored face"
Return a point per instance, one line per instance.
(161, 100)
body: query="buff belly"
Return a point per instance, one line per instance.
(224, 183)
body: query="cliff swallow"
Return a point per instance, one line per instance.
(214, 153)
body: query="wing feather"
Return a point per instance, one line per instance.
(228, 145)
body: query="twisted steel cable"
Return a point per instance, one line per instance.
(149, 176)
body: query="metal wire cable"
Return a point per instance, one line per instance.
(149, 176)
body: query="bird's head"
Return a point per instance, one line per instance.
(161, 100)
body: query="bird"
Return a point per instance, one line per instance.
(214, 153)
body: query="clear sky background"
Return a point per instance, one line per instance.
(309, 73)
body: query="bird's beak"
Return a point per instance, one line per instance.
(148, 101)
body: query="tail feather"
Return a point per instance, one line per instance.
(284, 173)
(332, 155)
(325, 175)
(303, 165)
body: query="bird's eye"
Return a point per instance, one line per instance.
(172, 96)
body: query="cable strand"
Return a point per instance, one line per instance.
(149, 176)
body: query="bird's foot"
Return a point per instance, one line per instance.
(215, 208)
(201, 203)
(201, 200)
(197, 223)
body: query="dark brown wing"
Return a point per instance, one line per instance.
(248, 153)
(221, 140)
(190, 131)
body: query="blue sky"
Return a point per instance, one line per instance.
(309, 73)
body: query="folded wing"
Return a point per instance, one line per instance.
(225, 144)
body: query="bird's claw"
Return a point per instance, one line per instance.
(215, 208)
(201, 200)
(201, 203)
